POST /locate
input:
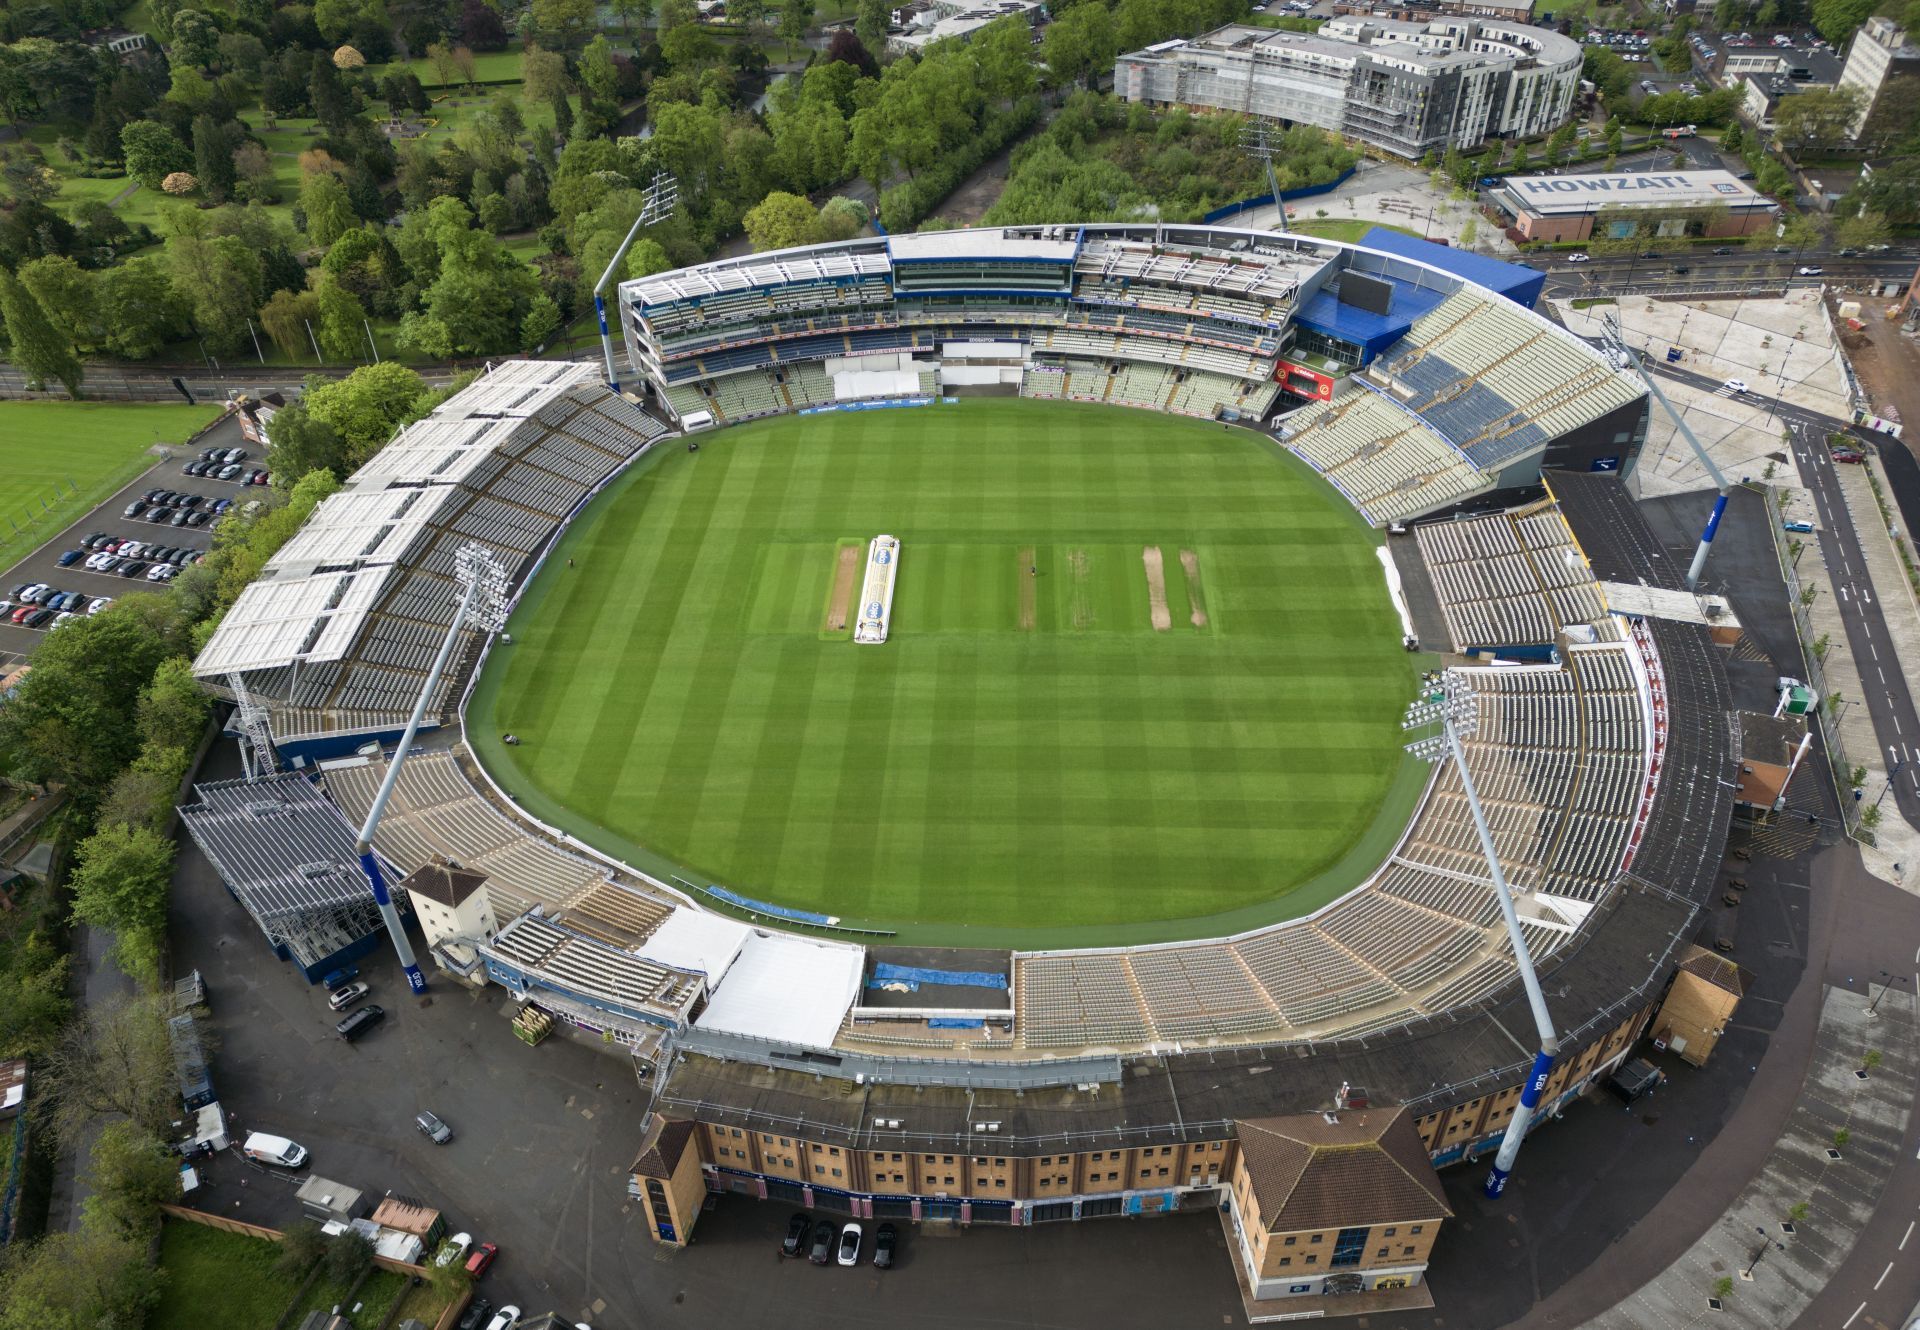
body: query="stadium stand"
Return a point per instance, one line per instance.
(338, 632)
(1386, 460)
(1509, 579)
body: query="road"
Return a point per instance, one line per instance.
(1745, 271)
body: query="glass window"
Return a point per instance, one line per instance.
(1350, 1246)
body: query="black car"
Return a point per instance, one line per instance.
(180, 518)
(796, 1240)
(824, 1236)
(198, 517)
(1681, 269)
(95, 540)
(359, 1021)
(132, 568)
(1724, 249)
(134, 509)
(476, 1314)
(883, 1240)
(41, 618)
(1649, 253)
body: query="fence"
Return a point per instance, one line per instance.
(1286, 195)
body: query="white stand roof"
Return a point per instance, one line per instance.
(695, 940)
(787, 989)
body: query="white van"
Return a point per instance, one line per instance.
(277, 1150)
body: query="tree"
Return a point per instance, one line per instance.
(66, 292)
(114, 1061)
(542, 321)
(301, 444)
(1862, 229)
(842, 218)
(252, 174)
(34, 1007)
(366, 407)
(301, 1244)
(846, 48)
(33, 343)
(676, 14)
(328, 210)
(1837, 20)
(1080, 44)
(1817, 119)
(89, 1278)
(1733, 140)
(562, 115)
(542, 74)
(152, 152)
(631, 11)
(173, 707)
(563, 18)
(782, 221)
(342, 325)
(138, 308)
(213, 148)
(440, 56)
(347, 1255)
(221, 278)
(597, 69)
(870, 22)
(796, 16)
(196, 39)
(121, 881)
(132, 1174)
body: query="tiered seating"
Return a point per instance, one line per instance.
(1387, 461)
(685, 398)
(1511, 579)
(1043, 381)
(1077, 1000)
(1141, 385)
(434, 812)
(1193, 992)
(808, 383)
(1496, 383)
(745, 396)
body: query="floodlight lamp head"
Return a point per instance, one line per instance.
(479, 571)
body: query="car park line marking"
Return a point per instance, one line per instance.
(1883, 1276)
(1856, 1316)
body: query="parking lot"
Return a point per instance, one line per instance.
(43, 566)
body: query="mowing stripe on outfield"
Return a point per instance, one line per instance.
(1026, 759)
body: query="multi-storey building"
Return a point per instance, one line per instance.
(1406, 88)
(1880, 57)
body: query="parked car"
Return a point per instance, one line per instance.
(134, 509)
(41, 618)
(482, 1261)
(795, 1242)
(1799, 525)
(884, 1238)
(342, 998)
(271, 1149)
(71, 557)
(99, 605)
(1848, 455)
(432, 1127)
(453, 1249)
(341, 977)
(20, 615)
(850, 1244)
(505, 1319)
(476, 1314)
(821, 1253)
(132, 568)
(359, 1022)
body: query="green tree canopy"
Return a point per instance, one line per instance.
(366, 407)
(33, 342)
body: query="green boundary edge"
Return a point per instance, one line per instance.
(1367, 853)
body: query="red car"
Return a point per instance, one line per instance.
(482, 1260)
(1848, 455)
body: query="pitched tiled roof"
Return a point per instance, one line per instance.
(447, 883)
(661, 1155)
(1367, 1166)
(1716, 970)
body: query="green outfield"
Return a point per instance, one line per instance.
(1143, 680)
(62, 458)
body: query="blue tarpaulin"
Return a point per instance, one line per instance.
(777, 911)
(956, 1023)
(910, 974)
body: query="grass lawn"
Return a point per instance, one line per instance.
(218, 1281)
(375, 1296)
(71, 455)
(1026, 754)
(424, 1303)
(1348, 229)
(488, 67)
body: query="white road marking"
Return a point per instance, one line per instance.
(1909, 1233)
(1856, 1316)
(1883, 1277)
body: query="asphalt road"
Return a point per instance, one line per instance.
(1743, 271)
(43, 564)
(1888, 694)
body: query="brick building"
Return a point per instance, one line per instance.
(1560, 208)
(1706, 992)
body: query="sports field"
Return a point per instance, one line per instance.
(53, 447)
(1143, 677)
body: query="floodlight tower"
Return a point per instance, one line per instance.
(661, 197)
(1617, 345)
(1257, 137)
(483, 605)
(1449, 712)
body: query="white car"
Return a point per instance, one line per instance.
(505, 1319)
(1579, 258)
(62, 617)
(160, 572)
(850, 1245)
(1735, 385)
(1810, 272)
(98, 562)
(454, 1249)
(99, 605)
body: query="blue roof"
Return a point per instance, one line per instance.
(1373, 333)
(1518, 284)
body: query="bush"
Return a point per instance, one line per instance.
(301, 1245)
(905, 204)
(347, 1256)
